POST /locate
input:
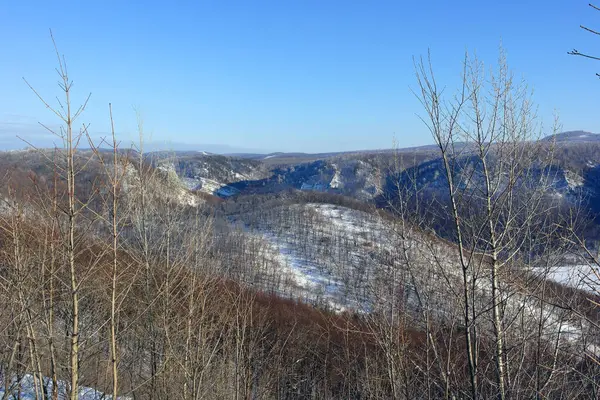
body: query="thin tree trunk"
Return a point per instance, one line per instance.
(115, 234)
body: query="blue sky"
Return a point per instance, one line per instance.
(283, 75)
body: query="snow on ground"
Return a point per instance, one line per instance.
(580, 276)
(573, 179)
(310, 282)
(25, 390)
(190, 183)
(330, 259)
(356, 222)
(347, 259)
(210, 186)
(336, 181)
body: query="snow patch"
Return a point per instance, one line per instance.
(24, 389)
(336, 181)
(573, 180)
(579, 276)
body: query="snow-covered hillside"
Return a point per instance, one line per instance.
(332, 254)
(579, 276)
(346, 259)
(210, 173)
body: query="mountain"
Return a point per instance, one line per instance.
(574, 136)
(378, 177)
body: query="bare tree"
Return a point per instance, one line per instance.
(497, 180)
(115, 173)
(576, 52)
(70, 137)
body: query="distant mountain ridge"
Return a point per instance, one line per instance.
(574, 136)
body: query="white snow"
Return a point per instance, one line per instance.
(579, 276)
(24, 389)
(313, 283)
(336, 181)
(322, 269)
(573, 180)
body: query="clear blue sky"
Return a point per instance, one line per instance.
(286, 75)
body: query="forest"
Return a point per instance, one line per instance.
(118, 281)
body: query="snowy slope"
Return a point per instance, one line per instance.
(212, 173)
(344, 259)
(334, 256)
(579, 276)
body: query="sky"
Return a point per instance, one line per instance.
(293, 75)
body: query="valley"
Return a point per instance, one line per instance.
(363, 240)
(206, 226)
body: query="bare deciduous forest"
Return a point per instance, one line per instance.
(444, 277)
